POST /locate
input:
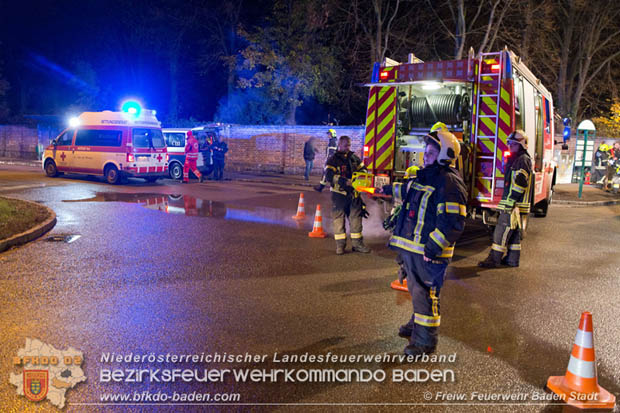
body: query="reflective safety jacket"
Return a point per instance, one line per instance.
(191, 149)
(517, 184)
(433, 214)
(339, 171)
(332, 146)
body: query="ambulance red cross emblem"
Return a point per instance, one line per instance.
(63, 156)
(36, 384)
(159, 157)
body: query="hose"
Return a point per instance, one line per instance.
(449, 109)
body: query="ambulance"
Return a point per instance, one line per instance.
(115, 145)
(481, 99)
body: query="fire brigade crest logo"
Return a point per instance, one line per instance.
(47, 373)
(35, 384)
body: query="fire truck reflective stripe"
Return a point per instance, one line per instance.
(407, 244)
(439, 238)
(585, 369)
(514, 247)
(356, 235)
(489, 106)
(340, 236)
(441, 208)
(497, 247)
(435, 301)
(426, 320)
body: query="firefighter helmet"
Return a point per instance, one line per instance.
(449, 146)
(439, 126)
(519, 137)
(603, 147)
(332, 133)
(411, 172)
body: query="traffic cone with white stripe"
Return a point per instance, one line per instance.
(317, 228)
(301, 210)
(579, 387)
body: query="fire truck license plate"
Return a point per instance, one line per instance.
(380, 181)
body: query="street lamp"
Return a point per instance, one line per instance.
(584, 127)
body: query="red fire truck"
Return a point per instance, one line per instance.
(482, 100)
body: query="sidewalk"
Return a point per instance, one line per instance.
(591, 195)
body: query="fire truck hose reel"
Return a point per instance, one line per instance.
(450, 109)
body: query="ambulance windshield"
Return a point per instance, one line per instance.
(148, 138)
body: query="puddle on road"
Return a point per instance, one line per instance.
(192, 206)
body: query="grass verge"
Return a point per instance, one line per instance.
(18, 216)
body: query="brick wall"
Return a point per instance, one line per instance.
(18, 142)
(279, 149)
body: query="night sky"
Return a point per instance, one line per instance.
(62, 56)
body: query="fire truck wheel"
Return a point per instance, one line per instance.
(176, 171)
(111, 174)
(50, 169)
(540, 209)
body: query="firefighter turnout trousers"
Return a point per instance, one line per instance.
(347, 206)
(424, 281)
(190, 164)
(506, 241)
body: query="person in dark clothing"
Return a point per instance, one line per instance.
(329, 152)
(346, 201)
(219, 149)
(601, 160)
(514, 204)
(309, 152)
(429, 223)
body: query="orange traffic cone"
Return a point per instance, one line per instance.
(317, 228)
(301, 210)
(398, 286)
(579, 387)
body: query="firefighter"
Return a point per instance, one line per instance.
(346, 201)
(430, 221)
(514, 204)
(601, 159)
(191, 156)
(332, 146)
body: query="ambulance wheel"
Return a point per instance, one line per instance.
(111, 175)
(50, 169)
(176, 171)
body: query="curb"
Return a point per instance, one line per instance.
(587, 203)
(32, 233)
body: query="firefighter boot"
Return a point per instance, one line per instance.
(492, 261)
(418, 350)
(360, 247)
(340, 248)
(508, 263)
(405, 330)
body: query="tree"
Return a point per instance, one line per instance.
(609, 125)
(4, 88)
(291, 59)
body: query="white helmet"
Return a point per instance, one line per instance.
(519, 137)
(449, 146)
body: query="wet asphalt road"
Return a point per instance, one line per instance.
(226, 270)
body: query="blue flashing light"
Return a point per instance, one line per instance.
(567, 131)
(131, 107)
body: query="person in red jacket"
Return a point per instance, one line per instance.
(191, 156)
